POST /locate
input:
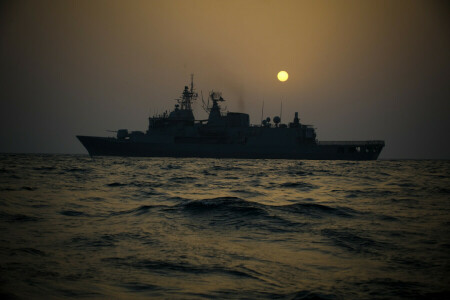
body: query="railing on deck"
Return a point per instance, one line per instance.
(353, 143)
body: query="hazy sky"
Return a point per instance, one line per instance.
(358, 70)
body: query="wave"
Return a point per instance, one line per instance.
(81, 170)
(74, 213)
(6, 171)
(7, 189)
(143, 209)
(182, 266)
(44, 168)
(309, 295)
(240, 213)
(248, 192)
(141, 287)
(439, 190)
(300, 173)
(170, 167)
(272, 294)
(353, 242)
(234, 208)
(318, 210)
(207, 173)
(373, 193)
(23, 188)
(29, 188)
(226, 168)
(84, 242)
(31, 251)
(299, 185)
(114, 184)
(184, 179)
(402, 289)
(235, 213)
(93, 199)
(232, 205)
(138, 184)
(17, 217)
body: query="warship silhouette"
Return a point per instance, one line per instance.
(225, 135)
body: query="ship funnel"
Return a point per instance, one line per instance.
(122, 134)
(296, 119)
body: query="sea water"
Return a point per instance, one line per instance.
(127, 228)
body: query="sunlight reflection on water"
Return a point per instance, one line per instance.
(192, 228)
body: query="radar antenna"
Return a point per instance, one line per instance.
(215, 98)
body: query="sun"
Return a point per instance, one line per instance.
(282, 76)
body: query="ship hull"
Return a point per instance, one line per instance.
(104, 146)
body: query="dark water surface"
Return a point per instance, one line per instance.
(74, 227)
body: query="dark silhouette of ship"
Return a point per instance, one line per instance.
(225, 135)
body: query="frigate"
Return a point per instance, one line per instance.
(225, 135)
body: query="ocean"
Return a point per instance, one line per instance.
(129, 228)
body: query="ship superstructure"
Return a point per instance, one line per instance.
(225, 135)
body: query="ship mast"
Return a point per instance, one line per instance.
(188, 96)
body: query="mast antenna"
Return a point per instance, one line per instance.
(281, 109)
(205, 105)
(262, 112)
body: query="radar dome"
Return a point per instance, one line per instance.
(276, 119)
